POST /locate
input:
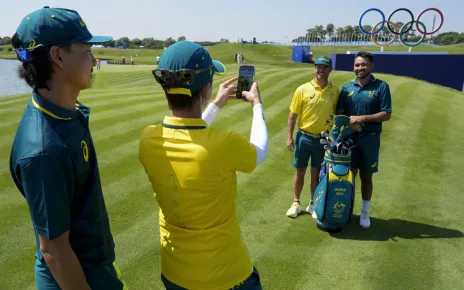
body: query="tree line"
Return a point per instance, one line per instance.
(319, 33)
(147, 43)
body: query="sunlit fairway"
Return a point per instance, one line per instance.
(415, 240)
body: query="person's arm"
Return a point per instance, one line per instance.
(292, 117)
(245, 155)
(225, 93)
(340, 108)
(48, 185)
(210, 113)
(258, 135)
(63, 262)
(295, 109)
(374, 118)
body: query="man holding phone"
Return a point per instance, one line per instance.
(192, 169)
(313, 104)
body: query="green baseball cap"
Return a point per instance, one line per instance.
(53, 26)
(190, 55)
(325, 60)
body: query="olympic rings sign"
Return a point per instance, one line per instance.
(391, 26)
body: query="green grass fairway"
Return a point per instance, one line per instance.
(416, 239)
(261, 53)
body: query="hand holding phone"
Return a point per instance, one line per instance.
(246, 76)
(253, 96)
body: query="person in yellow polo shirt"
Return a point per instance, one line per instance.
(313, 105)
(192, 169)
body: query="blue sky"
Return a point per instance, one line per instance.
(203, 20)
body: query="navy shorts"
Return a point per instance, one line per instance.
(366, 155)
(306, 148)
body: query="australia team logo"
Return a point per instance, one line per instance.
(85, 150)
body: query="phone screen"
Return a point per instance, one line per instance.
(246, 75)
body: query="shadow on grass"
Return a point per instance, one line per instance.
(384, 230)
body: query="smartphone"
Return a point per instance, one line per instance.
(246, 76)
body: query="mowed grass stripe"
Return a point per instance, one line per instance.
(139, 123)
(109, 112)
(419, 268)
(142, 109)
(24, 241)
(118, 190)
(383, 197)
(111, 103)
(119, 131)
(101, 147)
(277, 259)
(13, 101)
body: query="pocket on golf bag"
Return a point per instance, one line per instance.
(320, 195)
(334, 196)
(339, 201)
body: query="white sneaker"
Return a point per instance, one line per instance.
(294, 210)
(364, 220)
(311, 210)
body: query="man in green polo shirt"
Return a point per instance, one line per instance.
(53, 161)
(367, 101)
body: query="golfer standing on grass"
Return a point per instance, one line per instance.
(53, 161)
(367, 101)
(192, 169)
(313, 104)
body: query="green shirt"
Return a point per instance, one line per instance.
(372, 98)
(54, 166)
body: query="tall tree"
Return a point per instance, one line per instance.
(330, 28)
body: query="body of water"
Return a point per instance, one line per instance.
(10, 83)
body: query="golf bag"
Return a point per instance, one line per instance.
(334, 195)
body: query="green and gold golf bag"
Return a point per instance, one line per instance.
(334, 195)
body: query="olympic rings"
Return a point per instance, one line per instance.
(420, 40)
(391, 41)
(442, 19)
(369, 10)
(398, 10)
(404, 29)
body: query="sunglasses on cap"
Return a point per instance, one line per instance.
(24, 54)
(175, 78)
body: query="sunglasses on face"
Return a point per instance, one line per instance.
(175, 78)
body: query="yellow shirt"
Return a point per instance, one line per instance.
(192, 170)
(315, 106)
